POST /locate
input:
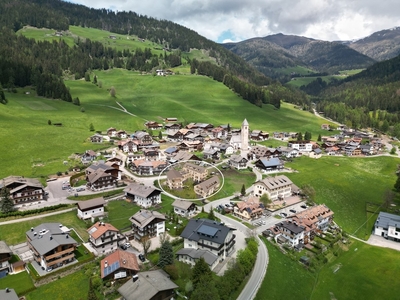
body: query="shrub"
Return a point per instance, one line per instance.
(172, 271)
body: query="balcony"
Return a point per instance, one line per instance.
(58, 254)
(60, 260)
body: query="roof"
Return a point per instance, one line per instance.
(48, 236)
(171, 150)
(183, 155)
(174, 174)
(20, 181)
(237, 158)
(116, 260)
(194, 168)
(98, 229)
(270, 162)
(8, 294)
(292, 227)
(89, 204)
(245, 123)
(209, 257)
(4, 248)
(385, 219)
(312, 215)
(204, 229)
(183, 204)
(147, 286)
(140, 190)
(143, 217)
(209, 183)
(276, 182)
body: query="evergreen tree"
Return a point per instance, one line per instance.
(205, 289)
(160, 135)
(319, 138)
(87, 77)
(91, 127)
(48, 122)
(91, 293)
(166, 255)
(299, 136)
(307, 136)
(95, 79)
(200, 269)
(243, 190)
(397, 184)
(211, 215)
(6, 203)
(76, 101)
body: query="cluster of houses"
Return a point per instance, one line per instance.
(204, 185)
(300, 228)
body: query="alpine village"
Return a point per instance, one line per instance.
(143, 161)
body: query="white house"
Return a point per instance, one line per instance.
(91, 208)
(388, 226)
(144, 196)
(302, 146)
(104, 237)
(184, 208)
(277, 187)
(293, 233)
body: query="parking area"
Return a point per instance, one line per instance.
(23, 251)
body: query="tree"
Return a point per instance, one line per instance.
(228, 128)
(160, 135)
(146, 243)
(166, 255)
(299, 136)
(87, 77)
(6, 203)
(205, 289)
(243, 190)
(100, 84)
(48, 122)
(211, 215)
(91, 127)
(76, 101)
(200, 269)
(393, 150)
(164, 237)
(385, 126)
(319, 138)
(113, 92)
(91, 293)
(397, 184)
(307, 136)
(265, 200)
(95, 79)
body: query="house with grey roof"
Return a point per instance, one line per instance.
(291, 233)
(191, 256)
(101, 176)
(146, 223)
(143, 195)
(238, 162)
(51, 244)
(277, 187)
(184, 208)
(23, 190)
(149, 285)
(207, 187)
(269, 164)
(93, 208)
(388, 226)
(207, 235)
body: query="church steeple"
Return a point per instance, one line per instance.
(245, 135)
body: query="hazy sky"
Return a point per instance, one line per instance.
(236, 20)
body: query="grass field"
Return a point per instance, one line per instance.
(233, 182)
(74, 286)
(119, 212)
(15, 233)
(20, 282)
(191, 98)
(345, 184)
(361, 273)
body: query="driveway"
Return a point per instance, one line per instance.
(382, 242)
(23, 251)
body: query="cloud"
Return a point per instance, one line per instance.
(320, 19)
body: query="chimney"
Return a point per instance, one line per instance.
(105, 264)
(7, 290)
(35, 233)
(51, 238)
(31, 228)
(67, 236)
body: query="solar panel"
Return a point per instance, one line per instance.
(207, 230)
(111, 268)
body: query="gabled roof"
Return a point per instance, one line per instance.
(48, 236)
(270, 162)
(8, 294)
(182, 204)
(143, 217)
(98, 229)
(204, 229)
(237, 158)
(147, 286)
(21, 181)
(276, 182)
(140, 190)
(88, 204)
(209, 257)
(385, 219)
(174, 174)
(4, 249)
(116, 260)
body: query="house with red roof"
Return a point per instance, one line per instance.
(119, 264)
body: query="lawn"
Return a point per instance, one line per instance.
(15, 233)
(362, 272)
(74, 286)
(346, 184)
(119, 212)
(285, 278)
(20, 282)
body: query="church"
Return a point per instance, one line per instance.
(241, 141)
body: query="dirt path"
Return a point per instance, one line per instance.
(37, 216)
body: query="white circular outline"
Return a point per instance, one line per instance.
(184, 161)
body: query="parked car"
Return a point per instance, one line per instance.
(283, 215)
(49, 269)
(81, 189)
(123, 247)
(220, 206)
(141, 257)
(292, 211)
(127, 245)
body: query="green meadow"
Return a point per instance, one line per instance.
(33, 148)
(346, 184)
(362, 272)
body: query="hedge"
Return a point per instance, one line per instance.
(18, 213)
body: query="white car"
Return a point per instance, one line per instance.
(127, 245)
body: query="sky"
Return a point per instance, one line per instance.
(237, 20)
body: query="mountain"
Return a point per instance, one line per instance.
(381, 45)
(282, 51)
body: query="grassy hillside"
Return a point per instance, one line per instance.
(345, 184)
(31, 147)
